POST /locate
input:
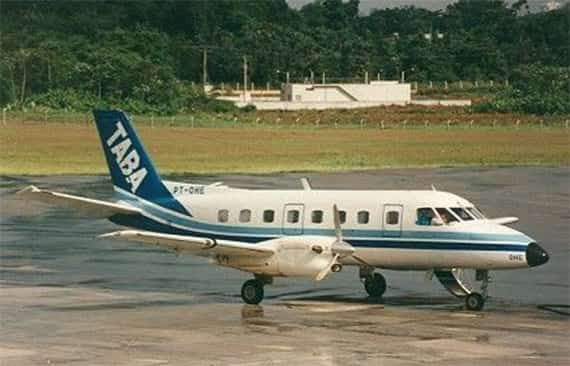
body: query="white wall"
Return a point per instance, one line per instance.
(376, 92)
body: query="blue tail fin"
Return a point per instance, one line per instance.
(130, 166)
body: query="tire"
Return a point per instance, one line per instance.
(375, 285)
(474, 302)
(252, 292)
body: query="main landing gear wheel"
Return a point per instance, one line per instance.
(474, 301)
(375, 285)
(252, 292)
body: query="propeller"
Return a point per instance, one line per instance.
(339, 248)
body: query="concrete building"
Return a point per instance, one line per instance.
(376, 92)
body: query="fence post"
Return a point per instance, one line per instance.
(518, 123)
(471, 124)
(566, 124)
(382, 124)
(405, 123)
(445, 85)
(476, 83)
(257, 120)
(235, 122)
(448, 123)
(541, 124)
(460, 84)
(45, 117)
(361, 123)
(4, 117)
(192, 122)
(426, 123)
(336, 123)
(494, 123)
(431, 84)
(491, 83)
(317, 122)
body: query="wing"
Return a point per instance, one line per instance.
(86, 206)
(193, 245)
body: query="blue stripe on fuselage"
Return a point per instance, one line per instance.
(146, 223)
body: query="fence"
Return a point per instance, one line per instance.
(278, 120)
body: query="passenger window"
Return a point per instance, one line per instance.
(342, 216)
(363, 217)
(463, 215)
(392, 217)
(268, 216)
(293, 216)
(446, 216)
(223, 215)
(317, 217)
(245, 216)
(425, 216)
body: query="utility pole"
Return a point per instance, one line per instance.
(245, 78)
(205, 66)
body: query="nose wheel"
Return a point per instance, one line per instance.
(474, 301)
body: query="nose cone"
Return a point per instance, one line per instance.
(535, 255)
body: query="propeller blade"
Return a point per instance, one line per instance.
(322, 274)
(336, 218)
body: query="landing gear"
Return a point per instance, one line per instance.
(252, 291)
(476, 301)
(375, 285)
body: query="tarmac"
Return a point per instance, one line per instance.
(68, 298)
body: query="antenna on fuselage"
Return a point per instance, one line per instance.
(306, 184)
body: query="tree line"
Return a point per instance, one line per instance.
(147, 55)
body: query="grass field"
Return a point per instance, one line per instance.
(55, 148)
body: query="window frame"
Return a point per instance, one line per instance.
(320, 215)
(293, 219)
(265, 217)
(358, 215)
(223, 215)
(389, 216)
(241, 217)
(455, 218)
(434, 215)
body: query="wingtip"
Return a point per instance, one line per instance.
(28, 189)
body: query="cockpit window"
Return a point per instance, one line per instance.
(475, 213)
(463, 215)
(446, 216)
(425, 216)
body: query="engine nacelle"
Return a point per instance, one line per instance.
(294, 257)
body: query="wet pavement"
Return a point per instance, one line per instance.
(68, 298)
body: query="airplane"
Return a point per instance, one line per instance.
(300, 233)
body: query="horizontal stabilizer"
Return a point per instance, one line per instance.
(86, 206)
(504, 220)
(194, 245)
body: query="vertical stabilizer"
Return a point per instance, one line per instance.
(130, 166)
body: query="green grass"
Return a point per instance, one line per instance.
(56, 148)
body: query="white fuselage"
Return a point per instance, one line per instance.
(383, 226)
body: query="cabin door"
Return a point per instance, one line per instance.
(392, 220)
(293, 219)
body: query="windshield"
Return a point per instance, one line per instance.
(446, 216)
(463, 215)
(475, 213)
